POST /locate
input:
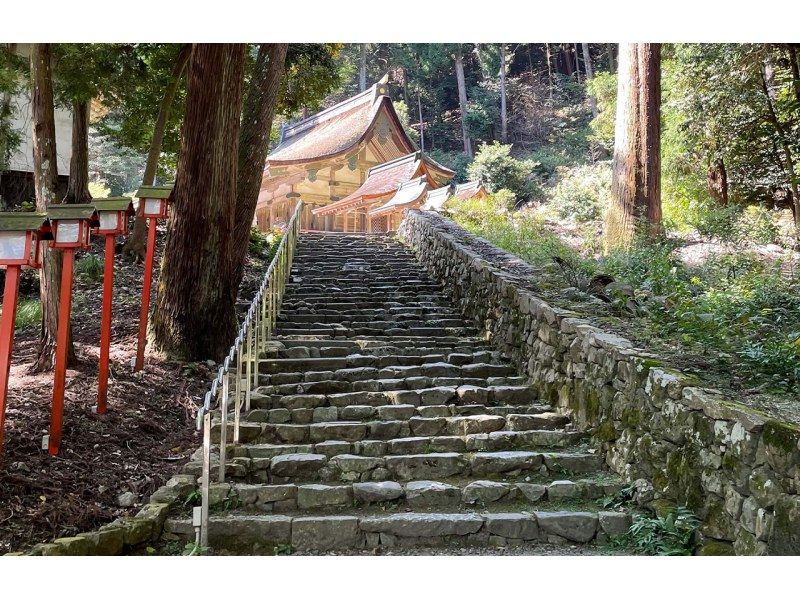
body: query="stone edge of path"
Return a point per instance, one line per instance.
(736, 467)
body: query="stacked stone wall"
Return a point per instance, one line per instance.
(736, 468)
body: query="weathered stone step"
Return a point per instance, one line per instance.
(419, 494)
(368, 367)
(303, 467)
(385, 355)
(411, 391)
(261, 534)
(534, 417)
(326, 332)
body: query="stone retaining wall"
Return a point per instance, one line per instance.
(737, 468)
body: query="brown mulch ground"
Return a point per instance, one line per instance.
(147, 433)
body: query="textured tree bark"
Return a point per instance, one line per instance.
(549, 69)
(362, 69)
(717, 179)
(794, 65)
(136, 243)
(257, 115)
(45, 175)
(577, 64)
(78, 188)
(462, 103)
(503, 111)
(587, 65)
(636, 183)
(194, 314)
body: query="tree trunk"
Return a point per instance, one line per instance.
(45, 176)
(462, 103)
(566, 58)
(136, 244)
(636, 183)
(362, 70)
(577, 64)
(783, 140)
(78, 188)
(503, 111)
(257, 115)
(717, 179)
(587, 65)
(610, 54)
(194, 316)
(549, 69)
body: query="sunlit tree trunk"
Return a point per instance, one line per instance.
(636, 183)
(503, 111)
(257, 115)
(549, 69)
(137, 241)
(362, 70)
(783, 140)
(78, 189)
(194, 314)
(45, 176)
(587, 65)
(462, 103)
(717, 179)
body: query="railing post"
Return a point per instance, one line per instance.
(223, 432)
(205, 479)
(237, 407)
(248, 369)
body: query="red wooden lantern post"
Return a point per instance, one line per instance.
(153, 206)
(71, 224)
(113, 213)
(20, 235)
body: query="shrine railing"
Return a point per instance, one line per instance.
(241, 364)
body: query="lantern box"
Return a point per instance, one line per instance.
(71, 224)
(20, 235)
(113, 213)
(153, 201)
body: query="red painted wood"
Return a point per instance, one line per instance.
(10, 294)
(105, 324)
(148, 280)
(60, 379)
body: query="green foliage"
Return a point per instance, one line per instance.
(12, 70)
(98, 189)
(498, 169)
(258, 242)
(29, 313)
(283, 549)
(403, 114)
(604, 89)
(457, 161)
(311, 74)
(583, 193)
(671, 535)
(89, 268)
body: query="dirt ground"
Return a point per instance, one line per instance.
(147, 433)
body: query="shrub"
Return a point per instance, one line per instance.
(498, 169)
(758, 226)
(29, 313)
(89, 268)
(671, 535)
(258, 242)
(456, 161)
(603, 87)
(583, 193)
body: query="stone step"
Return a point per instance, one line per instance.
(369, 331)
(419, 494)
(366, 367)
(242, 533)
(384, 355)
(312, 467)
(407, 391)
(519, 418)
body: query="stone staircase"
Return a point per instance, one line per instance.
(383, 421)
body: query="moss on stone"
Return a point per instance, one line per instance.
(716, 549)
(592, 405)
(630, 417)
(683, 475)
(605, 432)
(781, 436)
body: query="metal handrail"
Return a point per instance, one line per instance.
(253, 334)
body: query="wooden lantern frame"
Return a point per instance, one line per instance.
(34, 227)
(84, 215)
(122, 207)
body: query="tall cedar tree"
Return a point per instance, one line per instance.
(462, 101)
(45, 175)
(78, 188)
(636, 182)
(259, 110)
(194, 314)
(137, 241)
